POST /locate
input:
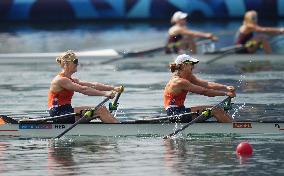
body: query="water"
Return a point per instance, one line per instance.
(24, 86)
(139, 156)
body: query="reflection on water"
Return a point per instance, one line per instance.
(193, 155)
(60, 160)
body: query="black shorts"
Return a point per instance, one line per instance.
(62, 110)
(177, 114)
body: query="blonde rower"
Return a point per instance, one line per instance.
(184, 81)
(64, 85)
(246, 37)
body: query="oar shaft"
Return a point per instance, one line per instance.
(82, 118)
(225, 53)
(183, 127)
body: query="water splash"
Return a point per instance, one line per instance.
(237, 109)
(241, 80)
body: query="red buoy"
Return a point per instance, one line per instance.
(244, 149)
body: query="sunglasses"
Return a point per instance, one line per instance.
(189, 62)
(254, 18)
(75, 61)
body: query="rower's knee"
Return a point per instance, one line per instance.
(221, 116)
(102, 111)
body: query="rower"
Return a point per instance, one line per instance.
(184, 81)
(245, 34)
(181, 38)
(64, 85)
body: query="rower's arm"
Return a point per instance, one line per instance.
(211, 85)
(96, 85)
(101, 86)
(268, 29)
(188, 86)
(69, 85)
(197, 34)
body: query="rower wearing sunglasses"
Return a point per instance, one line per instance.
(183, 82)
(251, 42)
(64, 85)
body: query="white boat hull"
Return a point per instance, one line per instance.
(90, 53)
(155, 129)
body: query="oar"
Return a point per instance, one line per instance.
(232, 50)
(124, 55)
(203, 114)
(113, 106)
(146, 52)
(87, 114)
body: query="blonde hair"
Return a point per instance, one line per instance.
(66, 57)
(248, 16)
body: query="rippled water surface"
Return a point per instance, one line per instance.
(25, 82)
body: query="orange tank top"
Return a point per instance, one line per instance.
(63, 97)
(171, 100)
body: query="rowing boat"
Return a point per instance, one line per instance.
(145, 127)
(106, 53)
(232, 59)
(115, 53)
(139, 129)
(50, 127)
(205, 47)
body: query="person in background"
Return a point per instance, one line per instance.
(246, 37)
(180, 37)
(64, 85)
(184, 81)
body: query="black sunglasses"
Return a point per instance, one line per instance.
(254, 18)
(189, 62)
(75, 61)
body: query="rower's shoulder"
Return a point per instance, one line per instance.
(179, 80)
(61, 80)
(174, 30)
(247, 28)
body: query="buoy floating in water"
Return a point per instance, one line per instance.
(244, 149)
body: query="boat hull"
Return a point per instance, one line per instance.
(128, 129)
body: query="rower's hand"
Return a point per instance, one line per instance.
(230, 88)
(212, 37)
(119, 89)
(231, 94)
(111, 94)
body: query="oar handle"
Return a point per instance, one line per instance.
(114, 104)
(228, 104)
(118, 95)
